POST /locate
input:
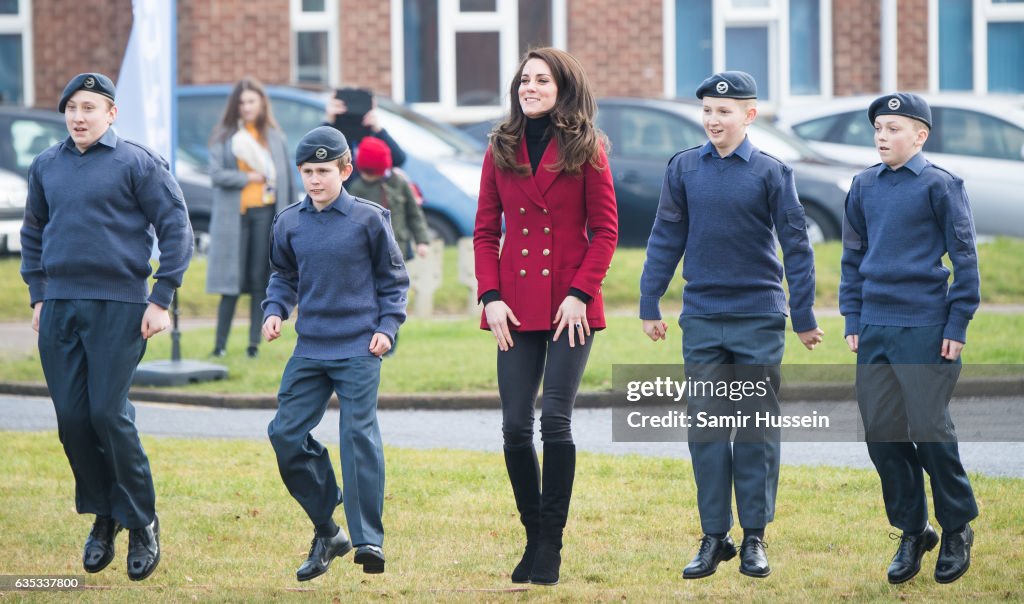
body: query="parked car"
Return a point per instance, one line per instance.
(442, 163)
(979, 138)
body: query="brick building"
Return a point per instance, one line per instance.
(454, 59)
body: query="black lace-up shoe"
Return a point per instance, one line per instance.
(323, 550)
(907, 561)
(712, 551)
(143, 550)
(371, 557)
(754, 558)
(954, 555)
(99, 546)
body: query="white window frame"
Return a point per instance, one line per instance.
(21, 24)
(983, 12)
(776, 18)
(317, 21)
(451, 21)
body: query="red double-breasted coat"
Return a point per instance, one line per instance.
(546, 249)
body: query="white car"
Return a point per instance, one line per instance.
(13, 192)
(978, 138)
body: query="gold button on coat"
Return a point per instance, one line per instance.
(545, 211)
(526, 252)
(547, 230)
(546, 252)
(545, 272)
(526, 231)
(522, 210)
(522, 272)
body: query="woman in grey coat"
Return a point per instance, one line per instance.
(252, 175)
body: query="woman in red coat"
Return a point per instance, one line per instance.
(546, 173)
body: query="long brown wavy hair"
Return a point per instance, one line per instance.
(228, 123)
(572, 118)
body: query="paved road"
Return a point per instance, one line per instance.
(480, 430)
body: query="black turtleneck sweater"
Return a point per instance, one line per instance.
(538, 135)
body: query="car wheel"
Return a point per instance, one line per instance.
(201, 232)
(820, 227)
(440, 228)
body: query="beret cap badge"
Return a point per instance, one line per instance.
(90, 82)
(321, 153)
(722, 87)
(894, 103)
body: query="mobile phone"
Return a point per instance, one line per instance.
(358, 101)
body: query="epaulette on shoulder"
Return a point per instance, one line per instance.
(945, 171)
(678, 153)
(687, 160)
(148, 151)
(374, 205)
(769, 155)
(290, 207)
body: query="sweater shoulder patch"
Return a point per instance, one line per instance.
(688, 159)
(946, 174)
(146, 151)
(375, 206)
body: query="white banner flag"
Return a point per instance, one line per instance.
(146, 84)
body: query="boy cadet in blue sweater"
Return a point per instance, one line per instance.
(335, 256)
(719, 204)
(93, 204)
(907, 328)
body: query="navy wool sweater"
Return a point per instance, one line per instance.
(343, 268)
(90, 220)
(717, 214)
(897, 227)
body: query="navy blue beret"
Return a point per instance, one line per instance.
(729, 85)
(321, 144)
(901, 103)
(93, 82)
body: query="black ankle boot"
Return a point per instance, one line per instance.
(559, 471)
(524, 474)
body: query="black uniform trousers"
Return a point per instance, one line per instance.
(304, 463)
(903, 390)
(743, 347)
(89, 351)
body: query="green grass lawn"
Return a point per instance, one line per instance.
(454, 355)
(231, 532)
(1001, 262)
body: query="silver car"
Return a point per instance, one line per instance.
(978, 138)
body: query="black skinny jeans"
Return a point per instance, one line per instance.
(520, 370)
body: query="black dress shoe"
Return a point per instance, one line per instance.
(218, 353)
(712, 551)
(143, 550)
(547, 564)
(954, 555)
(371, 557)
(754, 558)
(252, 352)
(907, 561)
(99, 546)
(322, 550)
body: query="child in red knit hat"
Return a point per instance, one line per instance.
(380, 182)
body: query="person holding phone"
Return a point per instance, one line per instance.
(353, 112)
